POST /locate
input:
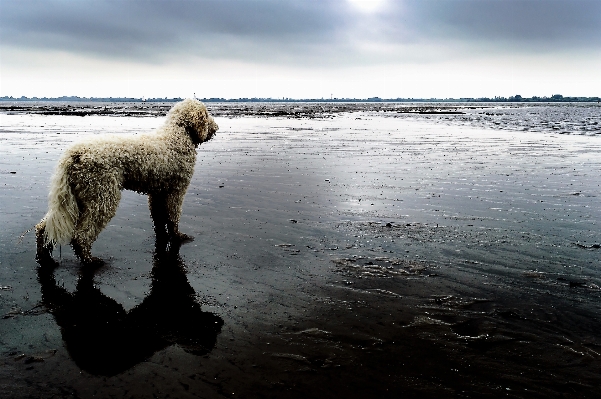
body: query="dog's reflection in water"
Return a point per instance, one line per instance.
(104, 339)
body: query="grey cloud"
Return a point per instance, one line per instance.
(523, 23)
(140, 28)
(289, 30)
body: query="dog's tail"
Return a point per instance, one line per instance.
(62, 207)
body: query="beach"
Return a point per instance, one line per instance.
(341, 250)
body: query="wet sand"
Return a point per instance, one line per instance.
(358, 254)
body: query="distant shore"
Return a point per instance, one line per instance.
(517, 98)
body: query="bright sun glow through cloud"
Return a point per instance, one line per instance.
(368, 6)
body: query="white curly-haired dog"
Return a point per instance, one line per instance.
(86, 186)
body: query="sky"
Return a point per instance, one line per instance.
(300, 48)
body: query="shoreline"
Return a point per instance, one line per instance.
(551, 118)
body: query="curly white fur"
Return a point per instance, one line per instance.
(86, 186)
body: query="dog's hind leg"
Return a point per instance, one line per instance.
(93, 217)
(44, 249)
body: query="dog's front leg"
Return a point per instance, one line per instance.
(165, 210)
(174, 211)
(158, 211)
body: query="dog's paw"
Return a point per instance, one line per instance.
(92, 262)
(44, 255)
(45, 261)
(181, 237)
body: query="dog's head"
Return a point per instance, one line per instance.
(193, 116)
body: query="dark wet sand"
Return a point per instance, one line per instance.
(351, 256)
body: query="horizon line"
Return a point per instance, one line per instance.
(516, 98)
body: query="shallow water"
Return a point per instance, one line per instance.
(358, 252)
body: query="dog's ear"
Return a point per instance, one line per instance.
(196, 139)
(192, 115)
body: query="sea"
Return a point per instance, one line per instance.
(341, 249)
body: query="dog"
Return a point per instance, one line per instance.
(86, 187)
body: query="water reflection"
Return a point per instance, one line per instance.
(102, 338)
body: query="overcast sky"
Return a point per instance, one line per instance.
(300, 48)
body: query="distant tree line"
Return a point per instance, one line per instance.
(555, 98)
(88, 99)
(513, 99)
(516, 98)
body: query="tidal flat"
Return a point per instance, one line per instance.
(340, 251)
